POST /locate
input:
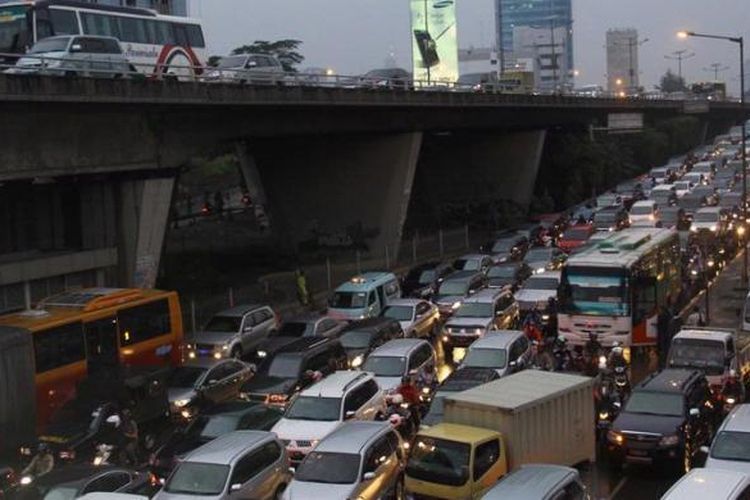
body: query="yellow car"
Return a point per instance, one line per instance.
(455, 461)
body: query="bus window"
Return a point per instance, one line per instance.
(144, 322)
(195, 36)
(181, 35)
(14, 34)
(164, 33)
(59, 346)
(645, 297)
(43, 24)
(100, 25)
(64, 22)
(101, 345)
(133, 30)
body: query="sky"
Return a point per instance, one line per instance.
(354, 36)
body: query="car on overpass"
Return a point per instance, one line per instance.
(254, 69)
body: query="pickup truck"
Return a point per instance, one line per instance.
(529, 417)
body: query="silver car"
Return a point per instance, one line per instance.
(731, 447)
(93, 56)
(235, 332)
(259, 69)
(241, 464)
(539, 482)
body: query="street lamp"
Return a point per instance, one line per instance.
(741, 42)
(618, 81)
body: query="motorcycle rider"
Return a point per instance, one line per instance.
(591, 351)
(732, 390)
(408, 391)
(561, 353)
(42, 463)
(531, 325)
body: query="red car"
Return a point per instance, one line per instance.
(575, 236)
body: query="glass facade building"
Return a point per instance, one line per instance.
(550, 14)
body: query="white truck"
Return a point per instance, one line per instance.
(716, 351)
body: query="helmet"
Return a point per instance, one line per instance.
(617, 351)
(562, 339)
(395, 420)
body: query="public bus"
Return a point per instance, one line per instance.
(91, 332)
(154, 44)
(616, 288)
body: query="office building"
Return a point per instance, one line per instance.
(622, 61)
(550, 14)
(547, 49)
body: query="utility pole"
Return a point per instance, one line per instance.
(716, 68)
(679, 56)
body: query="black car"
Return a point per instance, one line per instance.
(304, 326)
(460, 380)
(611, 219)
(510, 247)
(423, 281)
(291, 369)
(73, 481)
(362, 337)
(509, 274)
(212, 423)
(667, 418)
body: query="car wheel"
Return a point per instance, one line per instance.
(237, 352)
(279, 492)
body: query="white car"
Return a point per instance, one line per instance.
(324, 406)
(730, 449)
(644, 213)
(710, 484)
(683, 187)
(418, 318)
(537, 291)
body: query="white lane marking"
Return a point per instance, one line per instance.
(619, 486)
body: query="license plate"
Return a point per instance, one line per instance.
(638, 453)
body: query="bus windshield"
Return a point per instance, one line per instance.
(12, 27)
(597, 292)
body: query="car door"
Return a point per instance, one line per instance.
(376, 479)
(246, 480)
(373, 401)
(108, 482)
(421, 324)
(248, 329)
(486, 456)
(216, 386)
(354, 401)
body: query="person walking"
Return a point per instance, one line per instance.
(301, 281)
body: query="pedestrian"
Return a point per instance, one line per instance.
(301, 281)
(695, 318)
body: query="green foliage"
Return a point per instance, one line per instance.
(287, 51)
(672, 83)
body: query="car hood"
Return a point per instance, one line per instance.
(537, 264)
(733, 465)
(301, 490)
(175, 394)
(307, 430)
(465, 322)
(639, 422)
(218, 338)
(36, 58)
(388, 383)
(265, 384)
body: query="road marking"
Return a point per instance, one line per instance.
(619, 486)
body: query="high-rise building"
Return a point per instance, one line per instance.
(622, 60)
(550, 14)
(547, 49)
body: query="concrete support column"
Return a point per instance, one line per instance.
(143, 216)
(339, 187)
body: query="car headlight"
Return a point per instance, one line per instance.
(672, 440)
(456, 305)
(358, 360)
(262, 354)
(56, 63)
(615, 437)
(545, 317)
(731, 401)
(540, 270)
(693, 229)
(603, 415)
(25, 451)
(181, 402)
(225, 347)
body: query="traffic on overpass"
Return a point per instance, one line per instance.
(464, 273)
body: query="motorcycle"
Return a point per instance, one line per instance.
(402, 418)
(608, 407)
(563, 359)
(8, 482)
(594, 360)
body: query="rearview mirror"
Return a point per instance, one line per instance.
(235, 487)
(368, 476)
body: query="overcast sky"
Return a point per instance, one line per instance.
(353, 36)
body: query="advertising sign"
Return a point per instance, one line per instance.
(434, 41)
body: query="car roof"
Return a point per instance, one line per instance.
(471, 256)
(644, 203)
(705, 333)
(398, 347)
(669, 380)
(458, 433)
(707, 484)
(738, 419)
(352, 436)
(239, 310)
(497, 339)
(101, 495)
(336, 384)
(531, 482)
(304, 344)
(366, 281)
(226, 448)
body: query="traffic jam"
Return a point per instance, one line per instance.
(578, 338)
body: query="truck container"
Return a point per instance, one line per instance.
(544, 417)
(17, 391)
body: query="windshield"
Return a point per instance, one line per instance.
(314, 408)
(285, 365)
(656, 403)
(329, 468)
(576, 234)
(439, 461)
(642, 210)
(219, 425)
(706, 217)
(706, 355)
(184, 377)
(224, 324)
(399, 313)
(193, 478)
(682, 185)
(50, 45)
(731, 446)
(296, 329)
(453, 288)
(232, 62)
(541, 283)
(466, 264)
(385, 366)
(12, 24)
(595, 292)
(427, 277)
(349, 300)
(356, 339)
(485, 358)
(538, 254)
(502, 272)
(503, 246)
(475, 310)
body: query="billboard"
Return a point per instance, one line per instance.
(434, 41)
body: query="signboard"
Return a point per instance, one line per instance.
(625, 121)
(434, 41)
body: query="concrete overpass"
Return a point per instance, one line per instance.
(89, 166)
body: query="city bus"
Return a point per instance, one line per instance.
(615, 288)
(154, 44)
(92, 332)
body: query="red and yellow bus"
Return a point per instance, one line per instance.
(90, 332)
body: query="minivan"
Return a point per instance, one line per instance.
(364, 296)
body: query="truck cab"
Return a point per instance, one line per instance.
(455, 461)
(711, 350)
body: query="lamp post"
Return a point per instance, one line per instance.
(741, 42)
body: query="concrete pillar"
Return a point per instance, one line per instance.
(250, 174)
(143, 214)
(341, 188)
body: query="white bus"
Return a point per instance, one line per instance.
(615, 288)
(154, 44)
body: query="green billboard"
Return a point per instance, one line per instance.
(434, 41)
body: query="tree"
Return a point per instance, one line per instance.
(213, 61)
(287, 51)
(672, 83)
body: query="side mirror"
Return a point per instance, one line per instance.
(704, 449)
(76, 47)
(694, 412)
(413, 371)
(349, 414)
(513, 364)
(211, 383)
(292, 470)
(235, 487)
(368, 476)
